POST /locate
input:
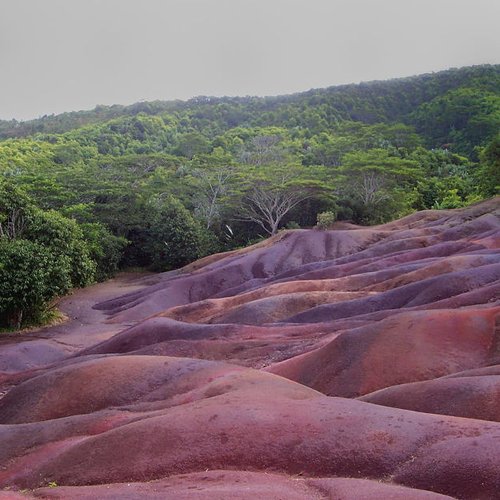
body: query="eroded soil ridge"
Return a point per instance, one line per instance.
(351, 363)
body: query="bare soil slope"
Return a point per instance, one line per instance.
(347, 364)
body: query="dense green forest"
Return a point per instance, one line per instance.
(159, 184)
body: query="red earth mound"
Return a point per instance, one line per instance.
(471, 396)
(182, 416)
(405, 347)
(228, 485)
(235, 376)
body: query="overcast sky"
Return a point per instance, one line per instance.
(64, 55)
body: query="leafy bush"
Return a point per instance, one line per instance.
(488, 175)
(42, 256)
(326, 219)
(30, 277)
(174, 238)
(105, 249)
(451, 200)
(64, 238)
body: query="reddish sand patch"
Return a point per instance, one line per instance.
(229, 485)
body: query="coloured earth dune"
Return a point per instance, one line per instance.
(353, 363)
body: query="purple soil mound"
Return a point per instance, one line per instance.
(405, 347)
(183, 416)
(467, 396)
(229, 485)
(235, 377)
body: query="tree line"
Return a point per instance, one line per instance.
(161, 184)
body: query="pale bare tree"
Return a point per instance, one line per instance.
(371, 189)
(214, 186)
(267, 203)
(14, 226)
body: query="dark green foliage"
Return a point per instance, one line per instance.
(174, 238)
(42, 256)
(315, 110)
(460, 119)
(64, 238)
(448, 179)
(104, 248)
(330, 148)
(30, 277)
(379, 184)
(192, 143)
(488, 175)
(127, 135)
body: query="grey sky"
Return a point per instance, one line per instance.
(64, 55)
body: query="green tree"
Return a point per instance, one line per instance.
(462, 118)
(174, 237)
(104, 248)
(192, 143)
(488, 175)
(64, 238)
(42, 256)
(213, 176)
(380, 184)
(30, 277)
(448, 179)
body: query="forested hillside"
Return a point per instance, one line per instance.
(160, 184)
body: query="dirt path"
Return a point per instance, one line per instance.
(86, 326)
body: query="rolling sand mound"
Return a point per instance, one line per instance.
(356, 363)
(472, 397)
(228, 485)
(193, 415)
(405, 347)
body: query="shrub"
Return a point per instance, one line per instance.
(326, 219)
(64, 238)
(42, 255)
(175, 238)
(104, 248)
(30, 276)
(292, 225)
